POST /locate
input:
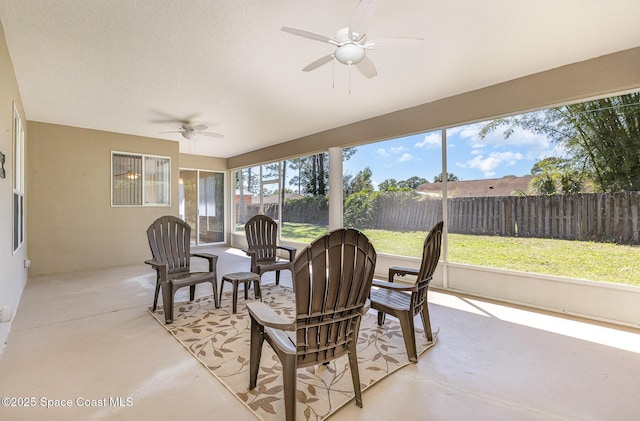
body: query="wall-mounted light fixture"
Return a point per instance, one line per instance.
(132, 175)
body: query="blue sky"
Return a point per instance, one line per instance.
(468, 156)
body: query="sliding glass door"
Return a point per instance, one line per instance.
(202, 205)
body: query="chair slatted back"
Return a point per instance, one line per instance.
(262, 234)
(430, 257)
(170, 242)
(333, 278)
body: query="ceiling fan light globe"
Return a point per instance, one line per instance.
(349, 54)
(188, 135)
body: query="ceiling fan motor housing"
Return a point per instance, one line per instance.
(348, 51)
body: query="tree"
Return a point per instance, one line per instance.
(245, 179)
(602, 138)
(409, 184)
(359, 209)
(297, 164)
(450, 177)
(556, 175)
(390, 184)
(361, 182)
(414, 182)
(313, 172)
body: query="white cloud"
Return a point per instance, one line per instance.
(398, 149)
(405, 157)
(430, 141)
(382, 152)
(495, 159)
(519, 138)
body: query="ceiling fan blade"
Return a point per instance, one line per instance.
(211, 134)
(319, 62)
(168, 118)
(165, 117)
(200, 127)
(367, 68)
(361, 18)
(174, 131)
(393, 42)
(189, 119)
(310, 35)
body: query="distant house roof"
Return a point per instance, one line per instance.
(505, 186)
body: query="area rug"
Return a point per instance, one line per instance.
(220, 341)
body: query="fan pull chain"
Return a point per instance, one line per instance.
(333, 80)
(349, 66)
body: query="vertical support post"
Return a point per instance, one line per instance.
(445, 218)
(335, 188)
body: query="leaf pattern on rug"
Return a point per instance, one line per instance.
(220, 341)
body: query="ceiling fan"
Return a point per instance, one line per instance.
(351, 42)
(190, 131)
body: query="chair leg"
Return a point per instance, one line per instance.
(221, 288)
(255, 352)
(216, 299)
(289, 379)
(192, 292)
(257, 293)
(380, 318)
(234, 300)
(355, 372)
(155, 298)
(426, 323)
(247, 285)
(409, 334)
(277, 277)
(167, 302)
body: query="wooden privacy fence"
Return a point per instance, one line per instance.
(406, 214)
(601, 217)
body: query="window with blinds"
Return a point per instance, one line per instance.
(140, 180)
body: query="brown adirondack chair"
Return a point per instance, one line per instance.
(262, 233)
(333, 279)
(407, 301)
(170, 239)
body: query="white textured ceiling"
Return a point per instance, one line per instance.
(124, 66)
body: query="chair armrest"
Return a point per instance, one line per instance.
(205, 256)
(401, 271)
(393, 286)
(212, 258)
(155, 263)
(366, 307)
(291, 251)
(162, 268)
(254, 259)
(265, 316)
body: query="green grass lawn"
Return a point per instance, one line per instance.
(575, 259)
